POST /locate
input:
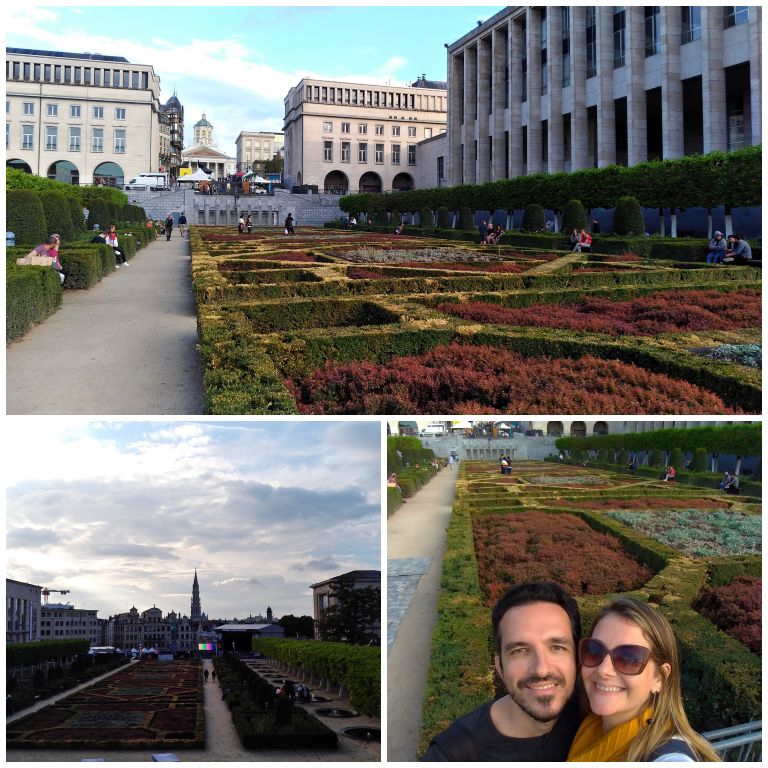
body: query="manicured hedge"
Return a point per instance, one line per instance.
(257, 730)
(19, 654)
(31, 295)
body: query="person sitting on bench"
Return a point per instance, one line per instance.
(670, 474)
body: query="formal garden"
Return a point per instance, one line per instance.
(589, 523)
(149, 705)
(336, 321)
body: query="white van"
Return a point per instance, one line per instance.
(433, 430)
(148, 181)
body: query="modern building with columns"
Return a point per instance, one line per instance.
(559, 88)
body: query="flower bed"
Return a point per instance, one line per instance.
(743, 354)
(736, 609)
(663, 312)
(701, 533)
(150, 705)
(643, 504)
(468, 379)
(566, 480)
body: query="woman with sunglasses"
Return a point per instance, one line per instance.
(631, 674)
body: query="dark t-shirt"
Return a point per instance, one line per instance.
(474, 738)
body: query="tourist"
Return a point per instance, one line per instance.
(537, 719)
(399, 228)
(205, 675)
(352, 222)
(503, 465)
(45, 249)
(483, 232)
(740, 251)
(240, 225)
(168, 226)
(574, 239)
(630, 669)
(670, 474)
(54, 254)
(182, 223)
(495, 234)
(717, 248)
(289, 224)
(111, 240)
(584, 242)
(213, 675)
(249, 224)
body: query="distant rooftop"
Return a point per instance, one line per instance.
(67, 55)
(422, 82)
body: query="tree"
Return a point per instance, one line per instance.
(352, 614)
(298, 626)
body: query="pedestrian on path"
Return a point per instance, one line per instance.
(182, 223)
(168, 226)
(205, 675)
(450, 461)
(213, 675)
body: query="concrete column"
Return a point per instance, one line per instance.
(455, 119)
(713, 79)
(484, 96)
(555, 158)
(515, 100)
(500, 52)
(637, 125)
(579, 157)
(470, 114)
(672, 88)
(755, 71)
(606, 112)
(534, 90)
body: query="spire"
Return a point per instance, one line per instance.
(195, 610)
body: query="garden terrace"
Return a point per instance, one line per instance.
(150, 705)
(547, 524)
(281, 319)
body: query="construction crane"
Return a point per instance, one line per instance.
(46, 591)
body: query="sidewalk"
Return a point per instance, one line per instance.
(416, 541)
(125, 346)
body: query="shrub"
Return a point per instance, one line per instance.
(443, 218)
(98, 213)
(83, 268)
(657, 458)
(465, 218)
(533, 219)
(676, 458)
(628, 217)
(57, 214)
(736, 609)
(699, 463)
(76, 215)
(31, 294)
(283, 711)
(425, 218)
(24, 216)
(574, 216)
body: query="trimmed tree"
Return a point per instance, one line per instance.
(24, 216)
(533, 218)
(425, 218)
(628, 217)
(574, 216)
(676, 458)
(57, 216)
(443, 218)
(465, 218)
(699, 460)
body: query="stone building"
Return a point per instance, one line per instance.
(559, 88)
(323, 598)
(81, 118)
(171, 136)
(22, 611)
(203, 153)
(254, 148)
(353, 137)
(62, 621)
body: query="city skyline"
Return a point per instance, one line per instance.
(208, 57)
(122, 513)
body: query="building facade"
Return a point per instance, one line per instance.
(558, 88)
(171, 136)
(350, 137)
(204, 154)
(22, 611)
(323, 597)
(254, 148)
(81, 118)
(61, 621)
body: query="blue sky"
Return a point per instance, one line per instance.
(122, 512)
(237, 63)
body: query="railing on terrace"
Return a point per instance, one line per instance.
(738, 743)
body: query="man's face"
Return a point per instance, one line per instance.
(537, 659)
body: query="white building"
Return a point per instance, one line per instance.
(254, 148)
(22, 611)
(62, 621)
(353, 137)
(81, 118)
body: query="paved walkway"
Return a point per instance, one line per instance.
(125, 346)
(416, 541)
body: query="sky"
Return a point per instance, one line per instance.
(122, 512)
(237, 63)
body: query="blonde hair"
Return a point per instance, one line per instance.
(669, 718)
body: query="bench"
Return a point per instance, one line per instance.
(738, 743)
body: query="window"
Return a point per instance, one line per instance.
(345, 128)
(362, 128)
(119, 113)
(734, 15)
(395, 154)
(107, 80)
(543, 33)
(427, 133)
(38, 71)
(97, 143)
(74, 110)
(327, 126)
(362, 152)
(524, 59)
(53, 110)
(51, 136)
(652, 36)
(379, 154)
(690, 17)
(440, 169)
(27, 137)
(395, 130)
(67, 74)
(619, 37)
(411, 154)
(591, 41)
(379, 130)
(74, 139)
(29, 108)
(411, 131)
(47, 73)
(98, 113)
(327, 150)
(7, 135)
(346, 151)
(97, 77)
(7, 107)
(57, 73)
(566, 46)
(27, 71)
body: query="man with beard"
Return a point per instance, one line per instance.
(537, 628)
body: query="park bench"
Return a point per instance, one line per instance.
(738, 743)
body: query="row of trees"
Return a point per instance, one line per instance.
(732, 179)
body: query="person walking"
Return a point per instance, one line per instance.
(249, 224)
(289, 224)
(213, 675)
(168, 226)
(182, 223)
(205, 675)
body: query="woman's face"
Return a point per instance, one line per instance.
(616, 697)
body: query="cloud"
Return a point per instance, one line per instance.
(321, 564)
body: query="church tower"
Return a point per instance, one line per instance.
(195, 611)
(203, 132)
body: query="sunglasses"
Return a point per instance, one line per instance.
(627, 659)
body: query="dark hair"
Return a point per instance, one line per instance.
(536, 592)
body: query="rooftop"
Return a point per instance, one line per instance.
(67, 55)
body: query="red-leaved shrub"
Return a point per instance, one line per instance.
(736, 609)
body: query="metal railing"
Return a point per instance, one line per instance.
(738, 743)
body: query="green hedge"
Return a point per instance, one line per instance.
(394, 500)
(20, 654)
(82, 267)
(257, 730)
(31, 295)
(357, 668)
